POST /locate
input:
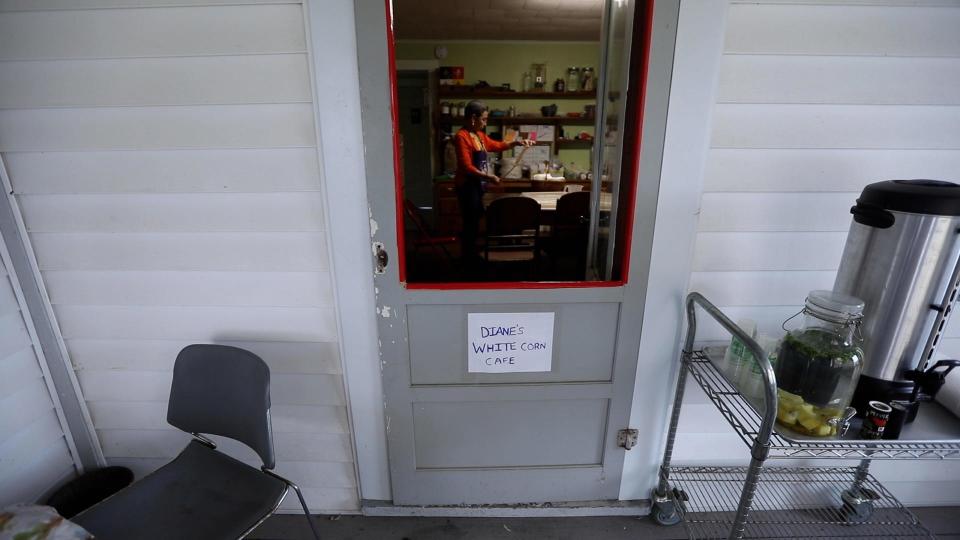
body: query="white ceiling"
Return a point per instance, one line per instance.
(539, 20)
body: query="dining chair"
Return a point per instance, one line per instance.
(512, 236)
(425, 236)
(570, 232)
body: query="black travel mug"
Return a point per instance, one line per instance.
(898, 417)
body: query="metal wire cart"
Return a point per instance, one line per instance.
(782, 502)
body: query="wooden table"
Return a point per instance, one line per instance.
(547, 199)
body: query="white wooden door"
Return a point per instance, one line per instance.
(457, 436)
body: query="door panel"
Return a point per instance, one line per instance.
(522, 433)
(584, 339)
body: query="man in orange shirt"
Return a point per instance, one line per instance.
(473, 172)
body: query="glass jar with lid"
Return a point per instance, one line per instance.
(573, 79)
(587, 80)
(818, 365)
(539, 74)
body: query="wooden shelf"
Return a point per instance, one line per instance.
(527, 120)
(572, 144)
(495, 93)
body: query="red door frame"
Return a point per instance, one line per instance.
(635, 104)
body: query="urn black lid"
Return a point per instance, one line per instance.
(934, 197)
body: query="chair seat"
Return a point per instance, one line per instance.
(202, 493)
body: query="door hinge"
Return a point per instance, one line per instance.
(627, 438)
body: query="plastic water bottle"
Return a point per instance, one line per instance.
(737, 353)
(751, 383)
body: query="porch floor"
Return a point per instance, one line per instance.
(943, 521)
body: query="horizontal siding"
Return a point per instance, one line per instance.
(821, 170)
(815, 100)
(172, 171)
(195, 212)
(271, 78)
(133, 33)
(324, 423)
(776, 212)
(13, 335)
(34, 454)
(285, 389)
(862, 81)
(298, 448)
(156, 128)
(723, 251)
(836, 126)
(159, 355)
(30, 403)
(165, 161)
(843, 30)
(37, 5)
(759, 288)
(17, 370)
(769, 319)
(906, 3)
(201, 323)
(50, 468)
(241, 252)
(21, 449)
(281, 289)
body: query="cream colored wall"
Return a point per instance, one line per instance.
(815, 101)
(165, 162)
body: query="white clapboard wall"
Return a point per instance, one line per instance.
(164, 158)
(35, 455)
(816, 99)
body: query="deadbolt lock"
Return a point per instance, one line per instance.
(381, 256)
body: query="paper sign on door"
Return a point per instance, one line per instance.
(509, 342)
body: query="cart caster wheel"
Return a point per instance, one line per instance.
(665, 518)
(665, 508)
(857, 507)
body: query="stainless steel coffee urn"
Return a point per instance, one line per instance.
(901, 259)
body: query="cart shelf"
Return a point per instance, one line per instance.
(814, 496)
(930, 437)
(785, 502)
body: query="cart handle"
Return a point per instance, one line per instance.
(769, 378)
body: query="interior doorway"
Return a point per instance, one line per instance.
(413, 104)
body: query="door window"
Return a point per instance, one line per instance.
(516, 134)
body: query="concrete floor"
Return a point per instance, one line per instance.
(943, 521)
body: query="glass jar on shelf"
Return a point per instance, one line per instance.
(818, 365)
(573, 79)
(587, 79)
(539, 74)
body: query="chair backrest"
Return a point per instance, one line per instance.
(513, 215)
(573, 208)
(225, 391)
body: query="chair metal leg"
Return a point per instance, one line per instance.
(303, 502)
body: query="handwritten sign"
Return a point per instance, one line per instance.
(509, 342)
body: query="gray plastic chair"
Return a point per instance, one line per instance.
(204, 493)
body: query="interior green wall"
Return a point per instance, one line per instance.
(499, 63)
